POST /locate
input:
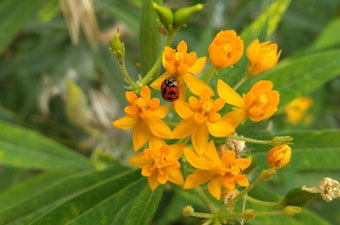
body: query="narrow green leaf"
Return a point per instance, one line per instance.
(13, 17)
(20, 147)
(301, 76)
(97, 204)
(150, 41)
(268, 20)
(144, 207)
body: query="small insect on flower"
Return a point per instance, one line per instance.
(169, 89)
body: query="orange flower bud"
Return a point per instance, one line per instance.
(226, 49)
(261, 101)
(279, 156)
(262, 57)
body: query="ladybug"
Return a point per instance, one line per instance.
(169, 89)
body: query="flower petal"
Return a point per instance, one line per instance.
(125, 122)
(214, 188)
(221, 128)
(235, 117)
(196, 85)
(140, 134)
(156, 84)
(153, 182)
(182, 109)
(159, 128)
(139, 160)
(184, 128)
(197, 161)
(242, 180)
(198, 66)
(197, 178)
(176, 150)
(175, 176)
(199, 138)
(161, 112)
(229, 95)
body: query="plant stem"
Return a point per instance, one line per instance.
(251, 140)
(205, 199)
(240, 82)
(264, 203)
(127, 77)
(207, 76)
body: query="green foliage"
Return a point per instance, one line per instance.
(48, 167)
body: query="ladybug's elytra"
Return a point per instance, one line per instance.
(169, 89)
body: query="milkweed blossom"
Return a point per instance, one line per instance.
(221, 172)
(182, 65)
(144, 116)
(279, 156)
(262, 57)
(200, 116)
(160, 163)
(260, 103)
(226, 49)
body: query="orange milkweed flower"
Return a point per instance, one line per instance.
(182, 65)
(226, 49)
(260, 103)
(279, 156)
(297, 108)
(223, 171)
(144, 116)
(199, 118)
(262, 57)
(159, 163)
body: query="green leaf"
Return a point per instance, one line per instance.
(267, 22)
(328, 38)
(299, 77)
(150, 41)
(23, 148)
(102, 202)
(14, 15)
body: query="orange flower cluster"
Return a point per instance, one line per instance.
(202, 117)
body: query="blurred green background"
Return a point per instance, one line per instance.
(72, 92)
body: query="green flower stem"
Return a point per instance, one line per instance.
(208, 75)
(205, 199)
(244, 78)
(265, 175)
(203, 215)
(251, 140)
(264, 203)
(148, 77)
(271, 213)
(126, 75)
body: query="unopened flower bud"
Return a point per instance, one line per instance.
(291, 210)
(165, 15)
(279, 156)
(182, 15)
(280, 140)
(117, 47)
(188, 211)
(249, 214)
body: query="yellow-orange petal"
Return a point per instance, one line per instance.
(235, 117)
(161, 112)
(198, 66)
(162, 175)
(140, 135)
(155, 142)
(229, 95)
(175, 176)
(220, 128)
(195, 85)
(182, 47)
(182, 109)
(184, 128)
(131, 97)
(156, 84)
(199, 138)
(125, 122)
(253, 50)
(176, 151)
(145, 92)
(197, 178)
(148, 170)
(139, 160)
(197, 161)
(153, 182)
(214, 188)
(159, 128)
(243, 163)
(242, 180)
